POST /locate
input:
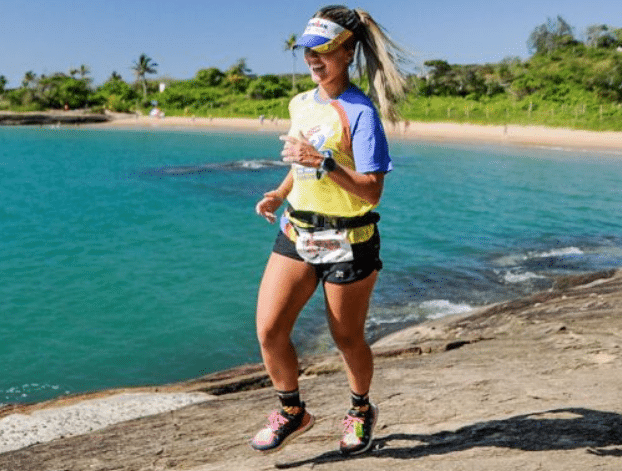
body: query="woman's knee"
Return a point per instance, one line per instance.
(348, 342)
(271, 336)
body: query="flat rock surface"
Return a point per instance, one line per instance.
(532, 384)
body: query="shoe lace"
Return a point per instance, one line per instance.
(275, 420)
(350, 422)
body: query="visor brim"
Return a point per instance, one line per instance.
(311, 41)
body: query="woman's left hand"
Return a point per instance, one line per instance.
(300, 151)
(268, 205)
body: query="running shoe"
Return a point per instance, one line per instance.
(358, 430)
(281, 428)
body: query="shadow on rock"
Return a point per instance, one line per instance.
(559, 429)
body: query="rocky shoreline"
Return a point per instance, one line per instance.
(59, 118)
(527, 384)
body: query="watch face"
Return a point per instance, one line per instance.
(329, 164)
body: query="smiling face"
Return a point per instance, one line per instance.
(330, 70)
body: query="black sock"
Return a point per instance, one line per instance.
(289, 398)
(359, 400)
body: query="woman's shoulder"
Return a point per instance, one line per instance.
(303, 96)
(356, 97)
(359, 107)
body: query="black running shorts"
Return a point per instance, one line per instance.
(366, 260)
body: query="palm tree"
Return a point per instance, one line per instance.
(144, 65)
(290, 45)
(114, 76)
(238, 69)
(3, 82)
(29, 78)
(237, 75)
(84, 71)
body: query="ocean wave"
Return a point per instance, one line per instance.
(23, 392)
(511, 260)
(560, 252)
(385, 320)
(416, 312)
(438, 308)
(519, 277)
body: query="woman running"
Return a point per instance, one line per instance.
(339, 156)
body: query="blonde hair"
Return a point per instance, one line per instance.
(377, 57)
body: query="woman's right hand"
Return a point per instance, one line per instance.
(268, 205)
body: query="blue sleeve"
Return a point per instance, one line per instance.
(369, 143)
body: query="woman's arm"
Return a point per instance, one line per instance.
(272, 200)
(367, 186)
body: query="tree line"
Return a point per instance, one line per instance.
(208, 91)
(562, 71)
(561, 68)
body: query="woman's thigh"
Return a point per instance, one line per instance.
(347, 306)
(286, 286)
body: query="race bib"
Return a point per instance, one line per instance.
(325, 246)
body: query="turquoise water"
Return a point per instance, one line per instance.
(133, 257)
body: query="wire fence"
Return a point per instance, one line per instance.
(579, 116)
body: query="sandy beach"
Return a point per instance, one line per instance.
(439, 132)
(536, 136)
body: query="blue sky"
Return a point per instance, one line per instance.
(183, 36)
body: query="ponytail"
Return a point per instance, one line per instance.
(382, 59)
(377, 57)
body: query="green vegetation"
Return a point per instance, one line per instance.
(565, 82)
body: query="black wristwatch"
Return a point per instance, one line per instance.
(328, 164)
